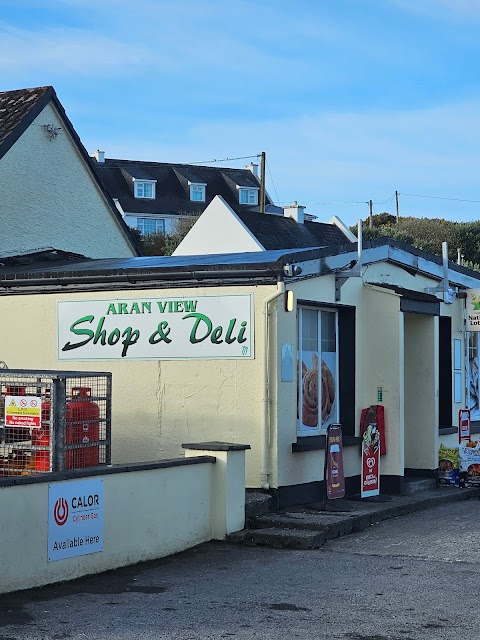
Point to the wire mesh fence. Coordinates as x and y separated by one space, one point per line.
53 420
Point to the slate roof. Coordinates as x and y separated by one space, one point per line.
172 191
172 270
275 232
42 258
20 107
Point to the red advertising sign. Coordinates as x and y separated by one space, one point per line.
370 461
334 452
464 431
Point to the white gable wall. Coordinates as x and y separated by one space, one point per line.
49 198
218 230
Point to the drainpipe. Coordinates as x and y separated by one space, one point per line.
265 459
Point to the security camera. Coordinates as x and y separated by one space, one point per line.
292 270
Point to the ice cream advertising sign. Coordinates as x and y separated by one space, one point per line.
473 310
200 327
370 462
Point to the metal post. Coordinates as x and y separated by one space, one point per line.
359 246
370 218
445 266
396 204
108 421
262 182
59 412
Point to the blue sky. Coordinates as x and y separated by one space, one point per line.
351 99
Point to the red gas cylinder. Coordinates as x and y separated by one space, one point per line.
83 426
41 438
15 391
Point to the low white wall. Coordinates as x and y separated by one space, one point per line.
148 514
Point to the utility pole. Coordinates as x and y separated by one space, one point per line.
262 182
396 203
370 219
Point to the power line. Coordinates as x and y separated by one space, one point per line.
417 195
257 155
271 178
384 201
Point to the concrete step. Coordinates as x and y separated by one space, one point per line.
330 524
279 538
258 503
307 527
414 485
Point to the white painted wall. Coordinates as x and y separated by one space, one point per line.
421 390
157 405
232 235
49 198
148 514
381 339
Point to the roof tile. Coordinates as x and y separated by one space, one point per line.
15 105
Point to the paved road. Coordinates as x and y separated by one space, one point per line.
412 578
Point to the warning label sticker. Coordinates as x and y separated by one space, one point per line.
23 411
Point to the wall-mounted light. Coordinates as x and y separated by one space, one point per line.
52 131
289 300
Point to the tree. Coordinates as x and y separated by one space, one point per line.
429 234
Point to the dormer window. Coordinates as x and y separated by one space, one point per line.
197 191
144 189
247 196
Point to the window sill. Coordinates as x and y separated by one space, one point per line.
445 431
316 443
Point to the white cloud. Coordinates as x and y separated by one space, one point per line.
64 50
442 9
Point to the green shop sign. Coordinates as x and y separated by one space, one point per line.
204 327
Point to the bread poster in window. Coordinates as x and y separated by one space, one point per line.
318 385
329 399
310 384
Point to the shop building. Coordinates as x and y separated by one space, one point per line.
263 348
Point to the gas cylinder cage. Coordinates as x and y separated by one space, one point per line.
54 420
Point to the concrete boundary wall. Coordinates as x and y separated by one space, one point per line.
151 511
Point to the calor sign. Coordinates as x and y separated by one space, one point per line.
75 518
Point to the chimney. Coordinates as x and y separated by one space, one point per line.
295 211
253 168
99 156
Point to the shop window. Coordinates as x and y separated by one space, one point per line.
473 377
318 368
